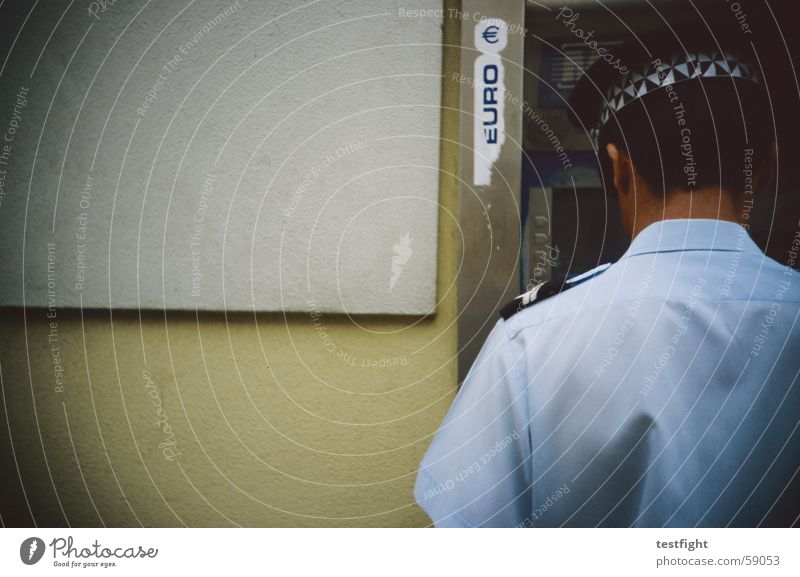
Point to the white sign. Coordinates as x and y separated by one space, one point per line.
491 37
259 156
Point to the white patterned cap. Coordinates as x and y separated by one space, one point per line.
654 63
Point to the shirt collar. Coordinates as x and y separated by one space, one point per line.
691 234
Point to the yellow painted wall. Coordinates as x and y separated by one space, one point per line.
272 429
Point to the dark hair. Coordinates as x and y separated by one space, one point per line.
692 135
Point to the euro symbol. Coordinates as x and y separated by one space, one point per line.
490 34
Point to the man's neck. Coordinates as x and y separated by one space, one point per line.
707 202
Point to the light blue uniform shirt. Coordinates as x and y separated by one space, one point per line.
662 392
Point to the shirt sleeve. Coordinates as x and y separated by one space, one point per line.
477 469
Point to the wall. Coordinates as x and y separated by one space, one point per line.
262 423
489 210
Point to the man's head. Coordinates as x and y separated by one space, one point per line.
685 133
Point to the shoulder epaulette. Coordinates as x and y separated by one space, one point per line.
547 289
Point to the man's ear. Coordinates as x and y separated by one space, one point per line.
622 168
766 169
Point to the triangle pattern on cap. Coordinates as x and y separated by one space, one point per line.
637 83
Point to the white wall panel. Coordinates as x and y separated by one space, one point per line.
214 155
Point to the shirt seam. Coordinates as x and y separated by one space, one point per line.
514 332
526 386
